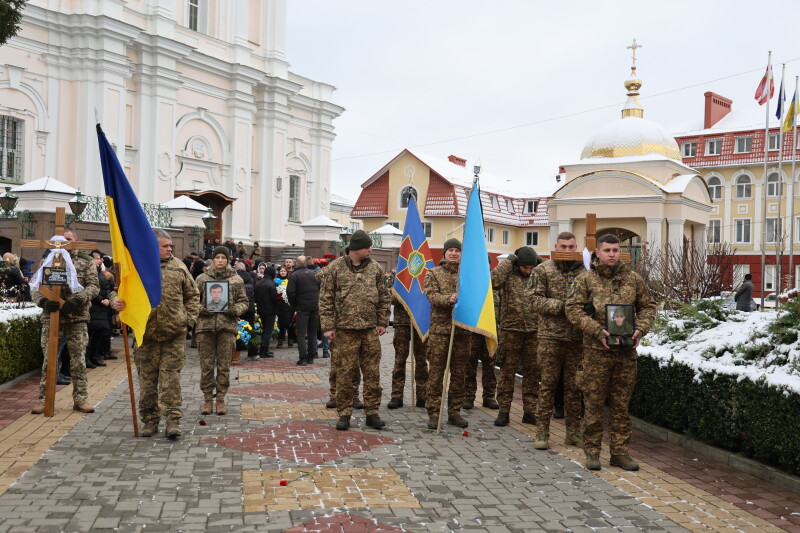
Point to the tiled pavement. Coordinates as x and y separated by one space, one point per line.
274 463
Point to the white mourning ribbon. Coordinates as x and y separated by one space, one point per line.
72 274
587 259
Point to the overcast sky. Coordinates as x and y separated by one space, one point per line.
522 84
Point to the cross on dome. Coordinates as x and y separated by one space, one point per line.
633 48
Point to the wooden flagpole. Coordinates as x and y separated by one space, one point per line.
128 362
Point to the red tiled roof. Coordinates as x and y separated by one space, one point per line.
728 156
373 202
441 200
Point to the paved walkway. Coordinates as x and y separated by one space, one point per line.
275 463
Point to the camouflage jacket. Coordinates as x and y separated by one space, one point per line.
353 298
237 301
401 317
87 276
586 307
515 293
440 284
551 288
179 305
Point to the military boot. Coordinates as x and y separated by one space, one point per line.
344 423
331 404
491 403
593 461
468 404
208 407
375 422
39 409
150 428
541 442
83 407
502 419
357 404
573 438
173 428
221 408
421 402
433 422
457 420
529 418
624 461
395 403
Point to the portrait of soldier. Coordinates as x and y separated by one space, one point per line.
215 301
619 324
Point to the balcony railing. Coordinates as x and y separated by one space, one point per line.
97 211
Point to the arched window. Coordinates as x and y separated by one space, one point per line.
743 187
774 185
715 187
406 193
10 149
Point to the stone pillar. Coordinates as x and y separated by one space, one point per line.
675 233
654 233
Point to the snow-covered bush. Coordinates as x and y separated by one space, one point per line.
20 350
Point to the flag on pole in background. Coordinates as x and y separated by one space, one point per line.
766 89
413 263
791 114
781 101
133 244
474 309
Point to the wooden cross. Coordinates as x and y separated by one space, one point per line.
590 241
53 292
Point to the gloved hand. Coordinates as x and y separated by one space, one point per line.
71 305
51 306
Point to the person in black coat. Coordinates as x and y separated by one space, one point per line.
99 324
267 304
285 311
303 293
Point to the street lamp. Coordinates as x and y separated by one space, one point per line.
209 220
345 236
77 204
8 202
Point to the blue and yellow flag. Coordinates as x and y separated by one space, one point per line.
133 244
474 309
413 263
791 114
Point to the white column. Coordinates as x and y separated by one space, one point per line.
675 233
553 234
654 236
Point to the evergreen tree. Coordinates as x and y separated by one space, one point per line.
10 16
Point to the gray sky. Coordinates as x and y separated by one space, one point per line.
543 76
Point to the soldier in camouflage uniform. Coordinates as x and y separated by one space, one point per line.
74 323
560 344
609 374
401 343
354 310
479 352
216 332
160 358
441 288
512 278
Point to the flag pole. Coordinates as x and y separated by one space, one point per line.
792 282
446 378
125 343
764 192
779 235
413 369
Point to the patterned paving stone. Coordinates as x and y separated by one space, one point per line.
281 392
276 365
325 488
302 442
287 411
277 377
343 523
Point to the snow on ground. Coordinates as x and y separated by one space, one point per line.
11 311
718 350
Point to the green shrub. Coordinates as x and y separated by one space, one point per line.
20 351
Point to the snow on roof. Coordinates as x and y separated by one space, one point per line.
45 184
630 135
184 202
321 220
388 229
678 184
742 118
336 199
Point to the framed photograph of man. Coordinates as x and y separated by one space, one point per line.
216 296
620 323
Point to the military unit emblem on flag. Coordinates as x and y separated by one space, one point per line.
413 263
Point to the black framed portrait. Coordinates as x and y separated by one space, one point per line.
620 324
216 296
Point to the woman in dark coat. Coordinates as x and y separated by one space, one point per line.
267 306
99 325
285 311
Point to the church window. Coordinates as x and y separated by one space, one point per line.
405 193
196 15
715 188
10 149
742 231
743 144
689 148
743 187
294 198
774 185
713 146
531 238
714 231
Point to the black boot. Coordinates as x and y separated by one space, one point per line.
375 422
395 403
501 420
344 423
90 364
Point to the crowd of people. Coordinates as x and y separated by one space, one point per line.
553 322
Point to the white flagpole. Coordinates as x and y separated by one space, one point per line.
792 281
779 222
764 191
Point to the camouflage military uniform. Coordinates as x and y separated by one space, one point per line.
440 284
479 352
216 332
402 342
560 343
354 302
160 358
74 326
608 373
517 337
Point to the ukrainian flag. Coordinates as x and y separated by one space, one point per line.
133 244
474 309
791 114
413 263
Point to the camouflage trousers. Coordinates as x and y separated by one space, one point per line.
479 352
332 372
512 347
611 375
216 351
402 343
554 357
357 349
438 345
159 365
77 339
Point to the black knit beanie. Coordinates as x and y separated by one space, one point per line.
451 243
527 256
221 250
360 240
